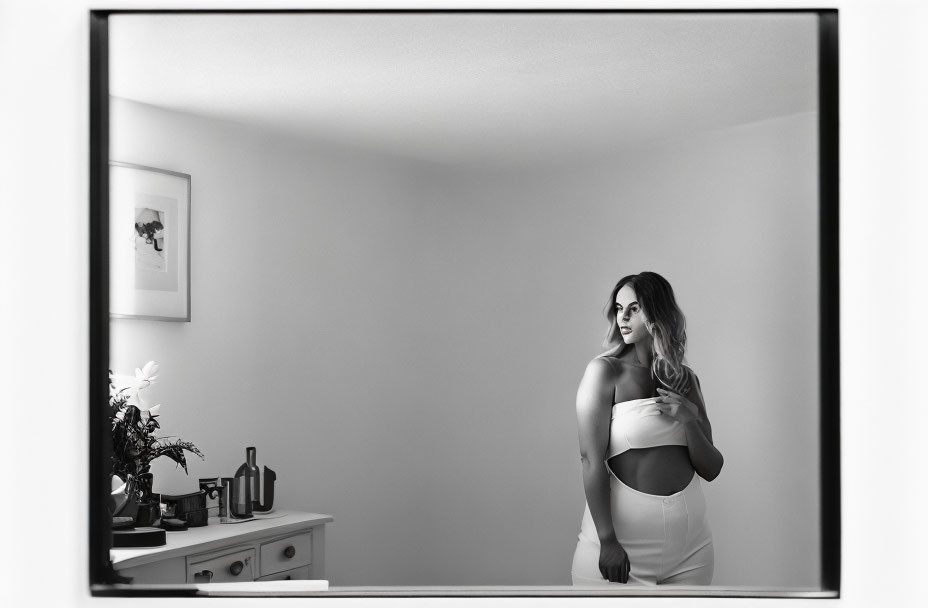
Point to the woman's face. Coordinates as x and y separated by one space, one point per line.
632 323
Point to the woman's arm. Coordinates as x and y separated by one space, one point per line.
594 413
691 412
695 395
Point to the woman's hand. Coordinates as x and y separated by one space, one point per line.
613 562
676 406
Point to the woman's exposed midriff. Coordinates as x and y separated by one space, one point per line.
662 470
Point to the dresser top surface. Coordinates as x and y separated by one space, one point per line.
215 536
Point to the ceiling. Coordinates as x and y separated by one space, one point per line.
499 88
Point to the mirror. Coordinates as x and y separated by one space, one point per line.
404 228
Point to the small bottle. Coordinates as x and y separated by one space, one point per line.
241 493
225 499
250 461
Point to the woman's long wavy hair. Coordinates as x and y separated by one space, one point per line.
666 323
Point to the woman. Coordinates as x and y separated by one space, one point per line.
645 441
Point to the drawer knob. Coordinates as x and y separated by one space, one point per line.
203 576
236 568
290 551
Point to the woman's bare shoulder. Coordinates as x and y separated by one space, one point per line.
597 386
601 368
610 371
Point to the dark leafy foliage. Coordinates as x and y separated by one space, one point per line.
135 444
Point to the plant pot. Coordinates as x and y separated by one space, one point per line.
125 503
148 508
146 483
148 513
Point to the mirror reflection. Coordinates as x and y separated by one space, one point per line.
383 249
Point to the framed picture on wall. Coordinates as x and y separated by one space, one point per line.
149 243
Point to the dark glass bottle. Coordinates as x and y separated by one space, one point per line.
255 477
241 493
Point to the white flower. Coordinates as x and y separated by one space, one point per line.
147 373
128 387
132 387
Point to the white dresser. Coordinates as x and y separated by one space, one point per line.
283 545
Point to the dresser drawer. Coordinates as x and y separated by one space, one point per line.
227 566
286 553
303 573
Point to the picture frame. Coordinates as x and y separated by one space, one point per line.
150 264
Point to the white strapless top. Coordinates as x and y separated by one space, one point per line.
639 424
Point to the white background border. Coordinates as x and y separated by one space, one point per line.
44 109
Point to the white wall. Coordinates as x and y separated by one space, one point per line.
402 342
730 219
43 183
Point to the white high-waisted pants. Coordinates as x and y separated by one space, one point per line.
667 538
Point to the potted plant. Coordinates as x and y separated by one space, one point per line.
136 446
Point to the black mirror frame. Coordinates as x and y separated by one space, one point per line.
101 574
